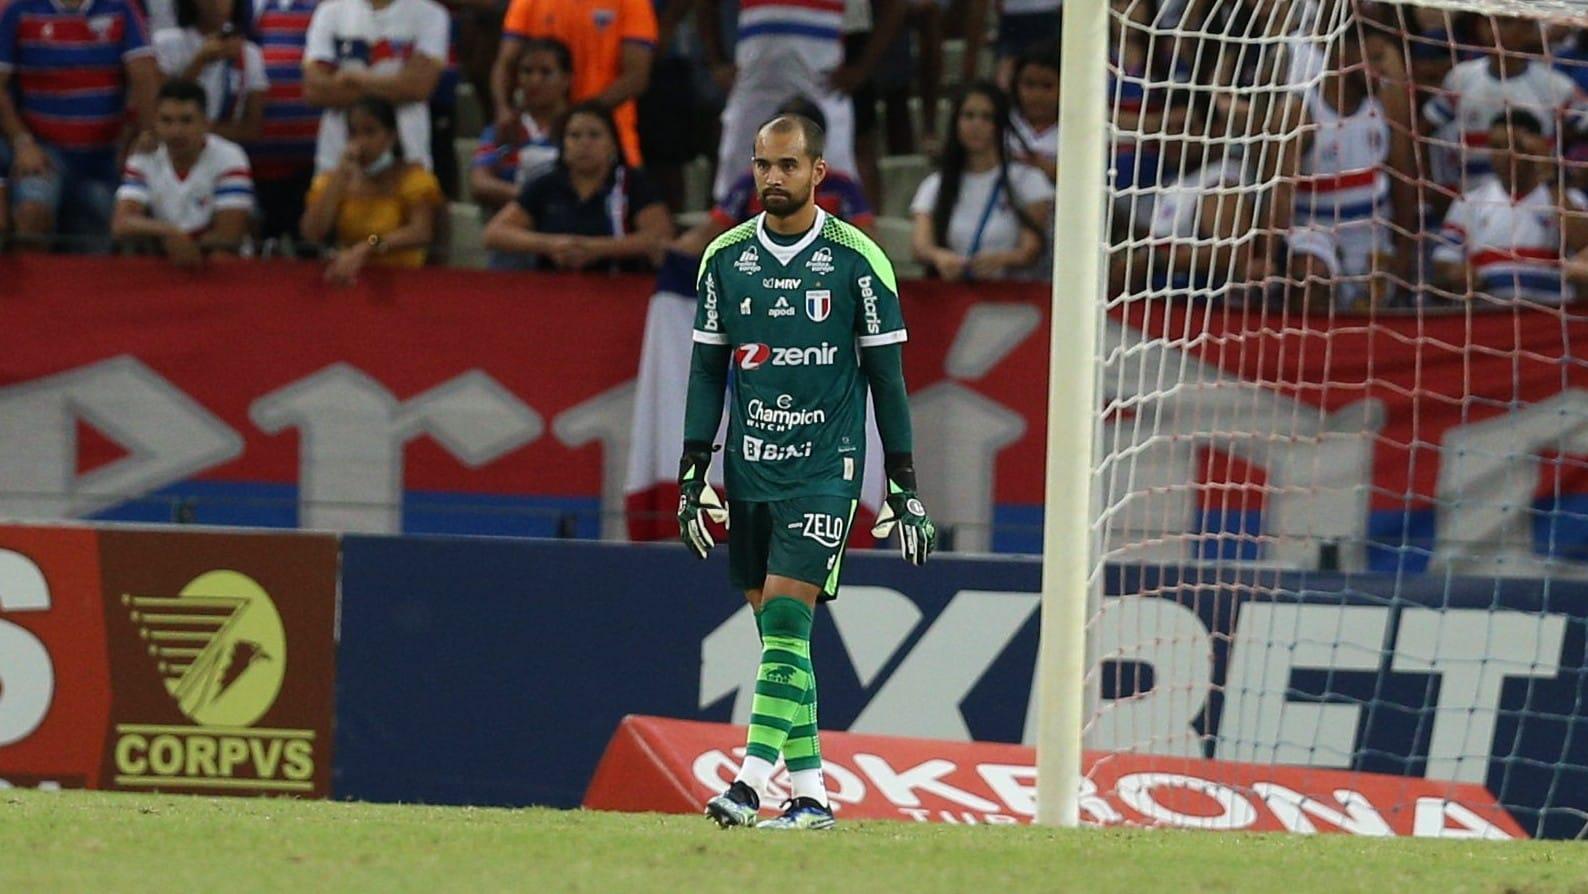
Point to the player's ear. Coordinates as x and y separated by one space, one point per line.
818 171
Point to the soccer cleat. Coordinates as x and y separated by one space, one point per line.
803 813
737 806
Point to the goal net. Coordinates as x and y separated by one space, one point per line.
1339 524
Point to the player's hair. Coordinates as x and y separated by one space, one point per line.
800 104
1042 54
952 170
598 110
183 91
1518 119
552 45
815 136
385 114
241 19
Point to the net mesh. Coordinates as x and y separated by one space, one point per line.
1342 471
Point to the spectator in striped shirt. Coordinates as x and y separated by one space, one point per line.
69 71
192 195
283 155
502 166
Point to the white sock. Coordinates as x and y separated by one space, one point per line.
809 784
755 772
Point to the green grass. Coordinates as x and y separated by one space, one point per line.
81 841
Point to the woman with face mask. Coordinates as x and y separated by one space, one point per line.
589 211
376 207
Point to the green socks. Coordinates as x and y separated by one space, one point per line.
785 686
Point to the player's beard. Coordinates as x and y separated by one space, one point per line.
787 204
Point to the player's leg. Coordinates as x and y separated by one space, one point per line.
807 556
749 538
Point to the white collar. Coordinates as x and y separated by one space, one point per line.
786 253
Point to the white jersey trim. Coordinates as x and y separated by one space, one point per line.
897 336
709 338
786 253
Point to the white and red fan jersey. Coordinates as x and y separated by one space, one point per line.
1513 244
220 180
1342 173
1472 95
809 29
353 34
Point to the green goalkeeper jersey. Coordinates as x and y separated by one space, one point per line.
796 317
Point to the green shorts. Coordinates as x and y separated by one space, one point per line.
801 538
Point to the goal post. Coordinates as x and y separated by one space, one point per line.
1067 543
1316 494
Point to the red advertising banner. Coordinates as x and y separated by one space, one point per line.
477 402
167 660
54 673
673 766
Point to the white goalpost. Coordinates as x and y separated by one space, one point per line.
1067 547
1315 545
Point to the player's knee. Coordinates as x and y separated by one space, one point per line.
785 616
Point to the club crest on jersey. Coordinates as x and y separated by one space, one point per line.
818 304
749 261
101 25
821 261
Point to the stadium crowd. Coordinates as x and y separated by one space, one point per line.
1417 157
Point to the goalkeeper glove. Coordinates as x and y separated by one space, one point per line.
903 509
696 500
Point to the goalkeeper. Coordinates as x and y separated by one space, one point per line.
804 308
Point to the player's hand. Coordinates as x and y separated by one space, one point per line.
30 160
846 78
950 265
182 250
903 510
697 502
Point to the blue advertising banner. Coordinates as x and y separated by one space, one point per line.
488 671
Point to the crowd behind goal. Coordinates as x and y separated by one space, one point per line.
1339 155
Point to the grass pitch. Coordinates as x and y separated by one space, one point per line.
81 841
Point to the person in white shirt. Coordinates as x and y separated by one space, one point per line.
209 49
1505 238
1355 133
784 48
1034 118
1515 75
981 216
194 195
391 49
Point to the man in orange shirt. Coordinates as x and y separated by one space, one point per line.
612 43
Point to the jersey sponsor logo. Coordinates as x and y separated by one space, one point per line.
818 304
828 530
783 417
821 261
744 306
868 300
780 282
752 355
749 261
782 308
711 324
757 450
755 354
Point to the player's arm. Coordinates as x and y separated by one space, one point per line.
320 85
414 82
708 382
880 332
132 220
634 74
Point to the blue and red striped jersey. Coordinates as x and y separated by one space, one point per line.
68 67
286 145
